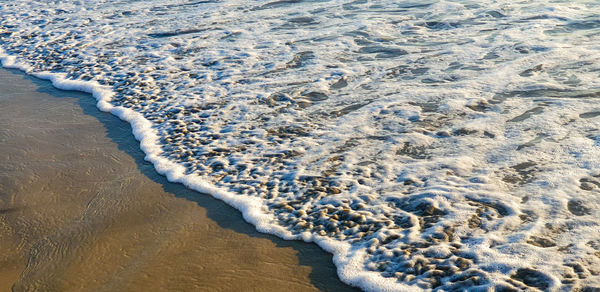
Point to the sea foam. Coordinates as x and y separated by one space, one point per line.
347 259
434 145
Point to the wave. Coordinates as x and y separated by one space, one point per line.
439 145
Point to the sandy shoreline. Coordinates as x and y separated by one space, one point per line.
81 210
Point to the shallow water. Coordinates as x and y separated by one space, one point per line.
451 144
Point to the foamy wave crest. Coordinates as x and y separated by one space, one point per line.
427 145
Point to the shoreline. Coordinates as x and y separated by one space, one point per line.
166 234
348 260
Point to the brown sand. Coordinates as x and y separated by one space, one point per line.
80 210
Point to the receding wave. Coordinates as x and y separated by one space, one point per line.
429 145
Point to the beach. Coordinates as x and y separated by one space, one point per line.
80 210
428 145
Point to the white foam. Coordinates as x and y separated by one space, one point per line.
474 118
348 262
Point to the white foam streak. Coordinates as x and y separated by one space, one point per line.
348 262
445 144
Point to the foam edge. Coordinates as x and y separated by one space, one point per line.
348 259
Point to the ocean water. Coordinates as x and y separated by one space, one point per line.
428 144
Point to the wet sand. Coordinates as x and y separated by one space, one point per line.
80 210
